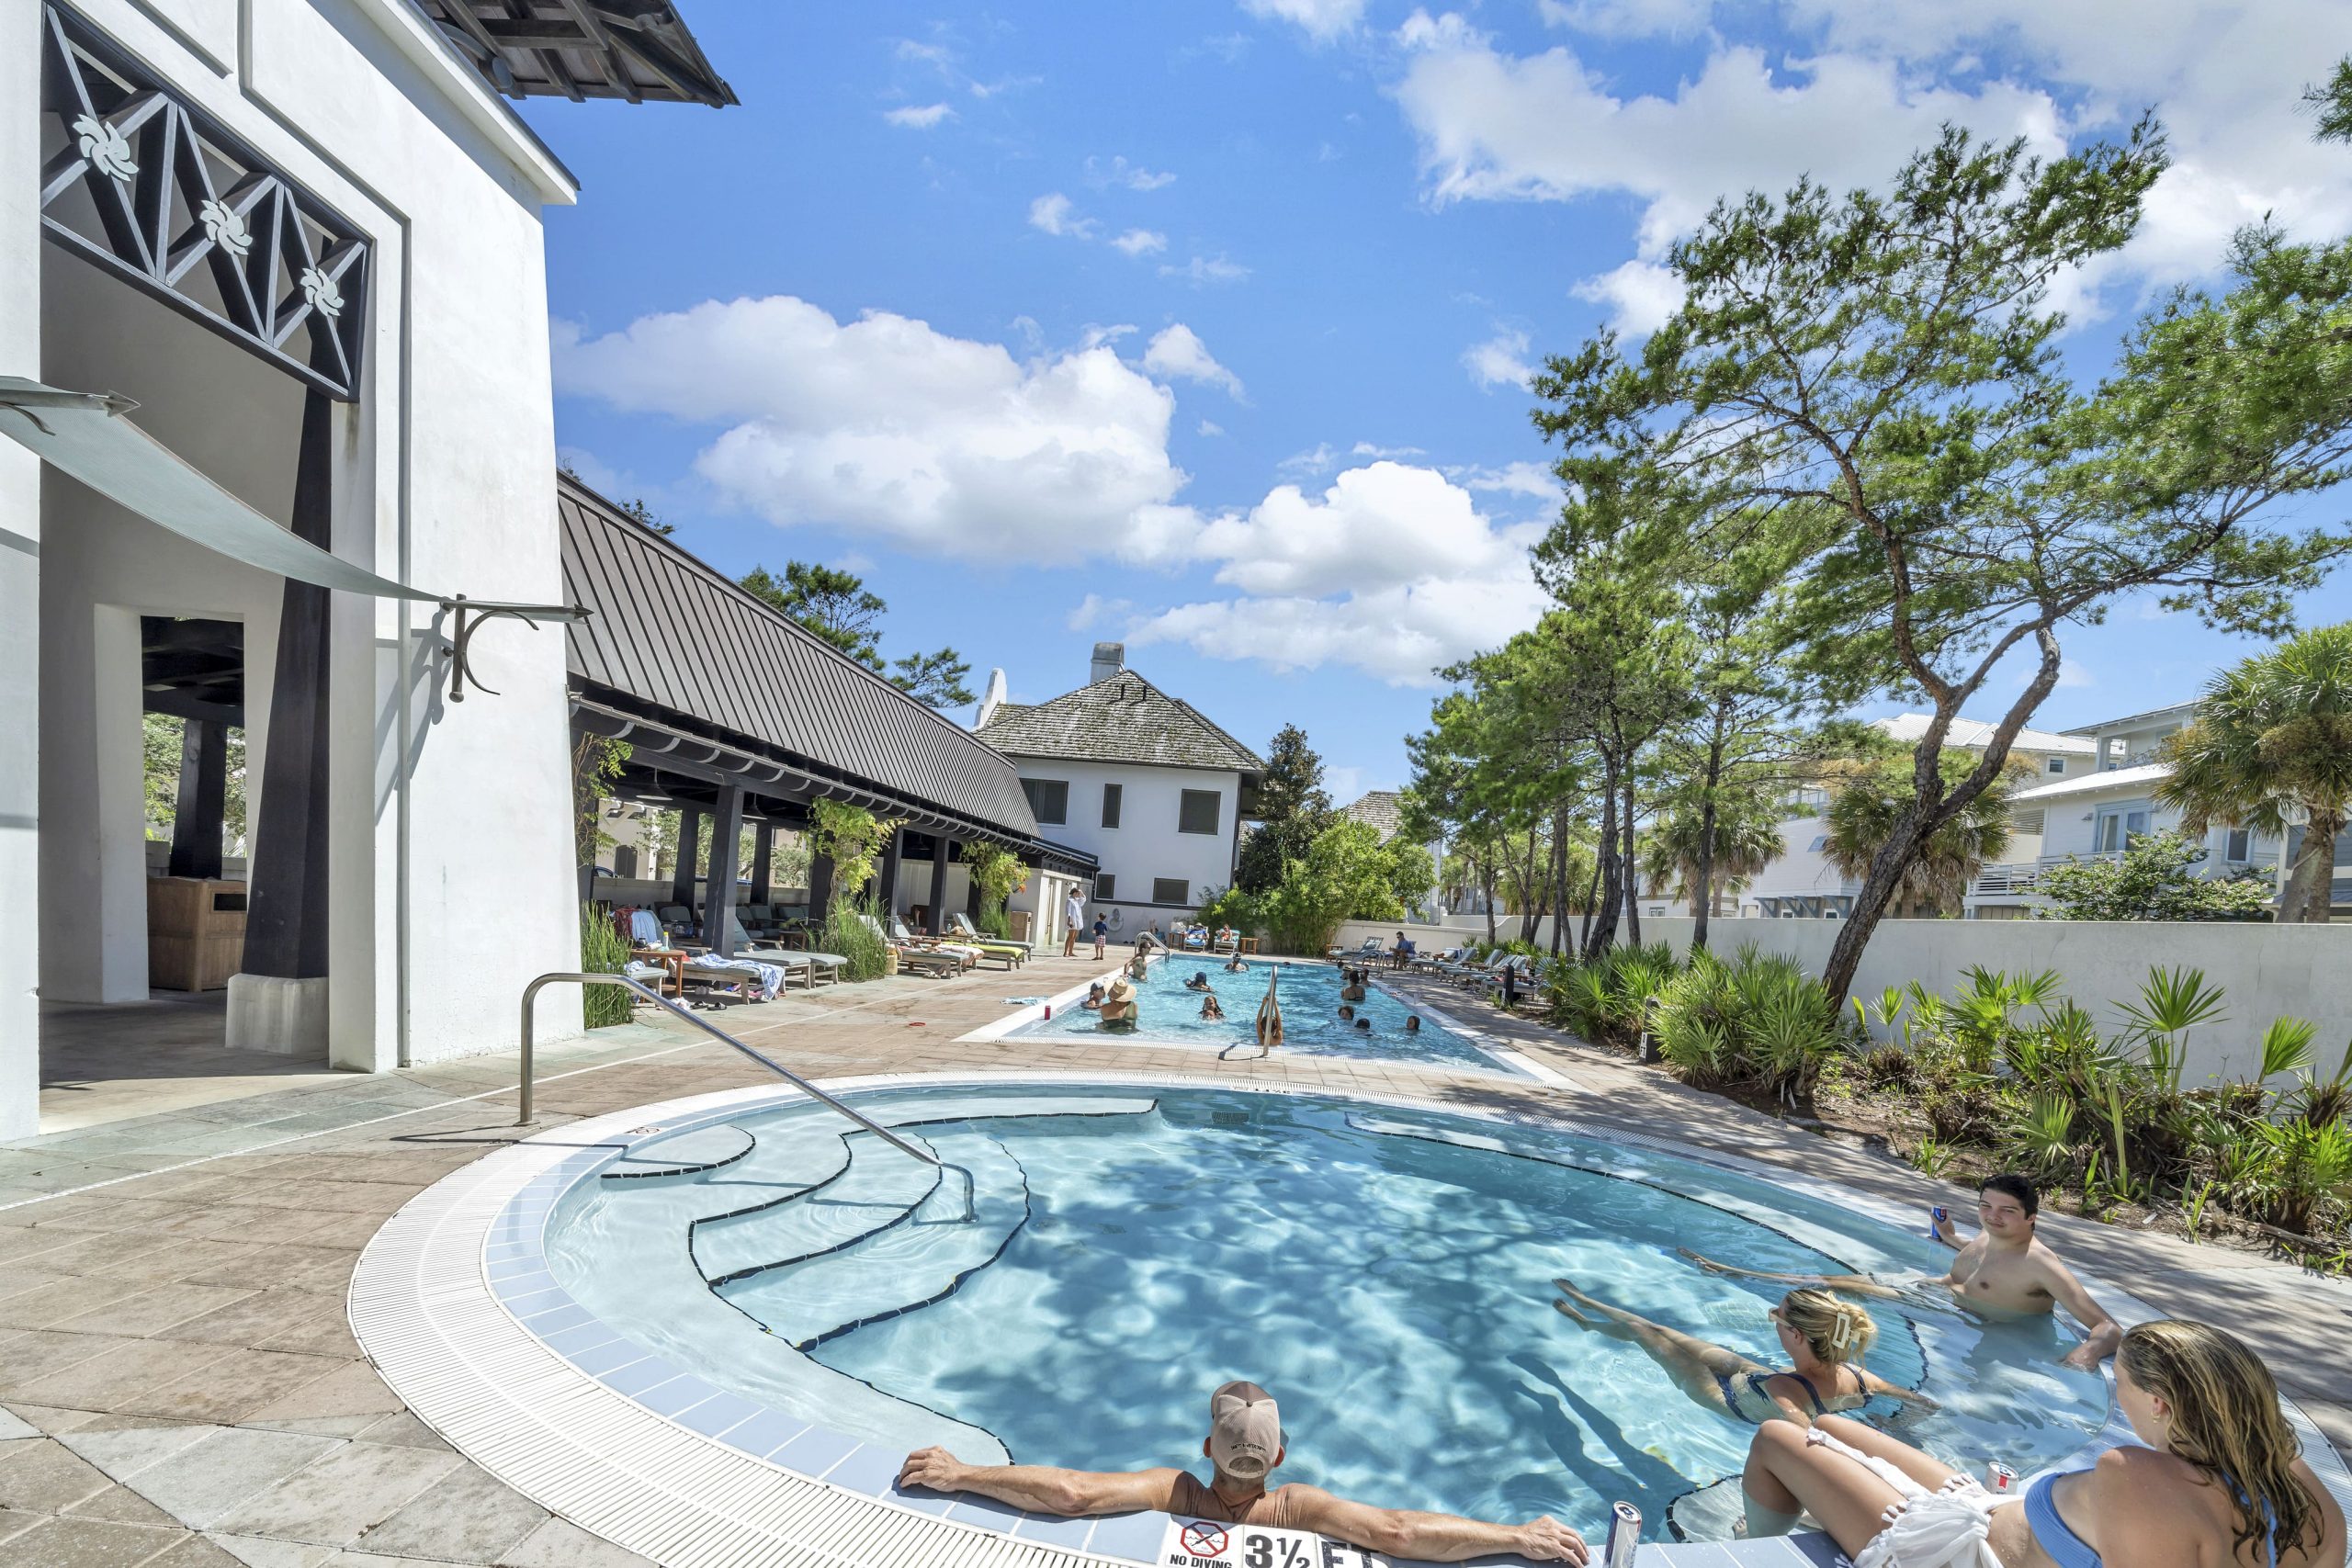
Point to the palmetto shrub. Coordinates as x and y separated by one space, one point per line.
1757 1020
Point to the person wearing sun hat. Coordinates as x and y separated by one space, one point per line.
1119 1004
1244 1446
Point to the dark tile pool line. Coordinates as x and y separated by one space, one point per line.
515 1263
516 1267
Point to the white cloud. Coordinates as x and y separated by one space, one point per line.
1210 427
1392 570
1119 172
921 118
1345 784
1094 609
1500 361
1177 352
1641 296
1535 479
1867 80
1321 19
1207 269
1368 449
886 426
1054 214
1321 458
1140 242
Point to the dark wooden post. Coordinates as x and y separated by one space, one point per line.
887 878
203 799
821 886
718 889
682 876
286 910
762 861
972 898
940 845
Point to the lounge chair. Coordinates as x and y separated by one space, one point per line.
973 952
959 926
791 960
923 958
1371 949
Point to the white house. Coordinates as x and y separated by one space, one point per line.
274 382
1803 884
2096 815
1143 781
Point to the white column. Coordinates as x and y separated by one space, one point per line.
20 259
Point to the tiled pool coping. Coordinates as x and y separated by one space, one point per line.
454 1300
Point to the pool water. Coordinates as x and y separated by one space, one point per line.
1311 1022
1386 1273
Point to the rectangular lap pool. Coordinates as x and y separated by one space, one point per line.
1170 1014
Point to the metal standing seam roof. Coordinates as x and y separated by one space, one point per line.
1120 719
672 633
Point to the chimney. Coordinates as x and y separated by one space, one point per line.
991 700
1110 658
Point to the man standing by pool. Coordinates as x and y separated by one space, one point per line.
1245 1444
1073 916
2003 1272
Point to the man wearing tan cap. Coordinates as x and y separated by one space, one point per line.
1245 1444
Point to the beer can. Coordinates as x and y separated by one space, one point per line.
1624 1536
1935 1218
1999 1479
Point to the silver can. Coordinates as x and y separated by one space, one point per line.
1624 1536
1999 1479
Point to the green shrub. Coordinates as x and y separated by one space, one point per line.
602 951
854 939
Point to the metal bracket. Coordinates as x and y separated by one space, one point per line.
461 638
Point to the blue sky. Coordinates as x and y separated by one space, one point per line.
1200 324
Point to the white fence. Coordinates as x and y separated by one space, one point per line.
2265 971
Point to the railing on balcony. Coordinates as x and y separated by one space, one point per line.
2016 879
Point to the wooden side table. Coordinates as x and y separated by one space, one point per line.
1249 943
673 966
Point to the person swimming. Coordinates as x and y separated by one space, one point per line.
2220 1480
1346 1012
1093 1003
1824 1339
1119 1005
1353 990
1235 966
1198 982
1412 1023
1364 1024
1211 1008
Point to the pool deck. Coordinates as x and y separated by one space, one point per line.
179 1386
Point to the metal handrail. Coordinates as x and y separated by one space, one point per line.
530 995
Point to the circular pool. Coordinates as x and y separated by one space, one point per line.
1088 1259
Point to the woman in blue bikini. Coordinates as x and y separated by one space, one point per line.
1824 1339
2220 1483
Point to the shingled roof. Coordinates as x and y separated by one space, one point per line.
1382 810
1120 718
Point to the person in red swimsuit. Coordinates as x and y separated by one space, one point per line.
1244 1446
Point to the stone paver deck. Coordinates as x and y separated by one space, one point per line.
179 1387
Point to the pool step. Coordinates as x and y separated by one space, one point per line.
902 1268
881 1188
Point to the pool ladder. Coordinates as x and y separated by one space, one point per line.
530 1000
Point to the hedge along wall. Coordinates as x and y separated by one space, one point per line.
2266 970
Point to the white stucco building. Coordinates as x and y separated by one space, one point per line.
1802 884
297 244
1143 781
2096 814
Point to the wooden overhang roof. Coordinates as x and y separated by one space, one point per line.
637 49
707 680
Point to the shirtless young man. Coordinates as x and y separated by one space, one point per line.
1245 1444
2003 1272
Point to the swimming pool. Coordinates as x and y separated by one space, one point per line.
803 1292
1169 1013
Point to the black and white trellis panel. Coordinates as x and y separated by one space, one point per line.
156 192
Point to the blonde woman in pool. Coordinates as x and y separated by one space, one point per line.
1824 1339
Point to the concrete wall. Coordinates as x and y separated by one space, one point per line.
2265 971
20 545
449 840
1145 845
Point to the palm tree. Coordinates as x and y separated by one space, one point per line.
1747 838
2273 741
1861 818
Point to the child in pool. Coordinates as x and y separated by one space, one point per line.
1211 1008
1093 1003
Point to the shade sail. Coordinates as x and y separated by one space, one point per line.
84 435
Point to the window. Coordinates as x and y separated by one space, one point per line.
1106 884
1048 799
2237 846
1171 889
2057 764
1197 813
2025 822
2118 825
1111 794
